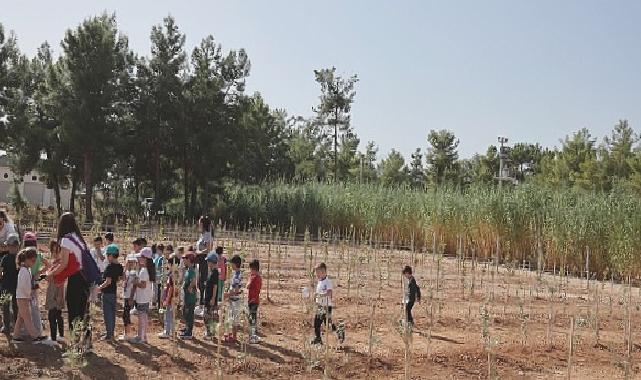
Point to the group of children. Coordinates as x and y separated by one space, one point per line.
191 280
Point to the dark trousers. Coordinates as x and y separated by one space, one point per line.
10 313
202 284
323 315
109 312
253 317
408 312
188 314
126 311
56 323
77 296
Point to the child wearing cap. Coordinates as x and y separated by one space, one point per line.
167 302
112 274
144 292
128 292
189 289
211 294
55 299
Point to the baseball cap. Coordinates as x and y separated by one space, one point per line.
212 257
145 252
13 239
30 236
112 249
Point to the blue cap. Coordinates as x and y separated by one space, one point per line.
212 257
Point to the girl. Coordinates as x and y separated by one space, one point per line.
127 294
144 292
31 240
189 295
55 299
26 259
72 244
203 246
166 300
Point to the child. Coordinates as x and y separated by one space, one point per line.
26 259
113 273
9 275
99 258
166 300
203 246
412 294
189 289
109 238
253 298
161 264
211 293
55 299
324 305
128 294
233 296
222 272
144 292
31 240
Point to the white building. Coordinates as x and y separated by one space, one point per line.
32 188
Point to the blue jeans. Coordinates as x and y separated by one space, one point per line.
109 311
169 320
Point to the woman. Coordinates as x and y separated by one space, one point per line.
71 245
204 245
6 228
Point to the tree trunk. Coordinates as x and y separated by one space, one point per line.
56 191
193 196
88 187
186 190
74 188
156 204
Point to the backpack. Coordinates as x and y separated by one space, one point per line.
89 271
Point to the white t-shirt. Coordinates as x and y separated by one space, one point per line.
24 283
144 295
102 264
72 247
321 292
203 243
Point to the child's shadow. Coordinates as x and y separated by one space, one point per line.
144 356
100 368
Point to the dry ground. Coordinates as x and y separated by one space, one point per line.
447 342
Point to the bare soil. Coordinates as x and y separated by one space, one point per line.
447 341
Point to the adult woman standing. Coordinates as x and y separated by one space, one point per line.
72 243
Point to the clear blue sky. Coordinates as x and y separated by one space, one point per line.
532 70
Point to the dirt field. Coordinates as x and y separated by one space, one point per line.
447 343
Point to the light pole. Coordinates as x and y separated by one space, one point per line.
502 140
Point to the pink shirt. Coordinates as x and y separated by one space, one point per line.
222 268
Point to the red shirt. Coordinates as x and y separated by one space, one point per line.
254 285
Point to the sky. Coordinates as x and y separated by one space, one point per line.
534 71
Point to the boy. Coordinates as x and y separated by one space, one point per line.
253 298
222 272
233 295
211 294
412 294
113 272
9 275
109 238
324 305
99 258
189 289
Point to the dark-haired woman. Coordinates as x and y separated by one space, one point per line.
71 245
203 246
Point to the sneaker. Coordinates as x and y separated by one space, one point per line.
134 311
317 341
163 335
60 339
185 337
135 340
17 339
122 338
107 337
254 339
